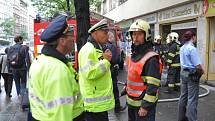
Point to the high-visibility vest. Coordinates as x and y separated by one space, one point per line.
135 84
95 79
54 93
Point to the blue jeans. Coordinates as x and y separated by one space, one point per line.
188 98
20 78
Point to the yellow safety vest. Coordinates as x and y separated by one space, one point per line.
95 79
53 91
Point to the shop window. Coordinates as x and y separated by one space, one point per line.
104 7
112 4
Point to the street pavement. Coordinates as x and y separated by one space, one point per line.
166 111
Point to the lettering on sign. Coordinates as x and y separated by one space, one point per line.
189 10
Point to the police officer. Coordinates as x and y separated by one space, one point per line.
144 74
95 75
173 63
190 75
53 87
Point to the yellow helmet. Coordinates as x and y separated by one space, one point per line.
158 37
141 25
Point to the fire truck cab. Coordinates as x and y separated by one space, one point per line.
39 27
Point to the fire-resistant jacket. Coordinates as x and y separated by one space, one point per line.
95 78
173 58
53 91
144 80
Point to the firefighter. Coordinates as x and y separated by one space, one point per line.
95 75
173 63
53 87
157 44
159 48
144 74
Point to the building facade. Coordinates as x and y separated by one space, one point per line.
167 16
6 6
19 11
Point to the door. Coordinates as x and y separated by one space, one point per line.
211 59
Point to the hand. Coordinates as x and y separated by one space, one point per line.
142 112
107 55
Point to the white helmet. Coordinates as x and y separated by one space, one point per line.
158 37
168 39
141 25
174 36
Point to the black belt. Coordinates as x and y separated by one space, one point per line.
186 69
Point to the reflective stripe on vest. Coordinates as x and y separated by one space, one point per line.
135 103
56 102
150 98
151 80
171 54
135 83
86 66
97 99
91 63
175 65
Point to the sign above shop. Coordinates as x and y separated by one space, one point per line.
151 18
209 7
184 26
188 10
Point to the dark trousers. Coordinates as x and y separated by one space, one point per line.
80 117
100 116
20 78
173 76
8 82
134 116
115 91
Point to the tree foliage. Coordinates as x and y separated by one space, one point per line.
8 26
24 34
49 7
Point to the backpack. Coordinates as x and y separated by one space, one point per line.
14 57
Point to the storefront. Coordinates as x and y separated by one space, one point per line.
209 10
186 17
179 19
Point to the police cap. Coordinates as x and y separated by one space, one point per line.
55 29
100 25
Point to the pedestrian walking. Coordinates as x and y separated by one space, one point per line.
53 87
19 62
144 74
190 75
6 74
95 75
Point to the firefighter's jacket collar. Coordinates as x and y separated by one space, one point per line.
50 51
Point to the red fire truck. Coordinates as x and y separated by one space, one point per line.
39 27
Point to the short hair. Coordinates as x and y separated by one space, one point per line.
188 35
18 39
